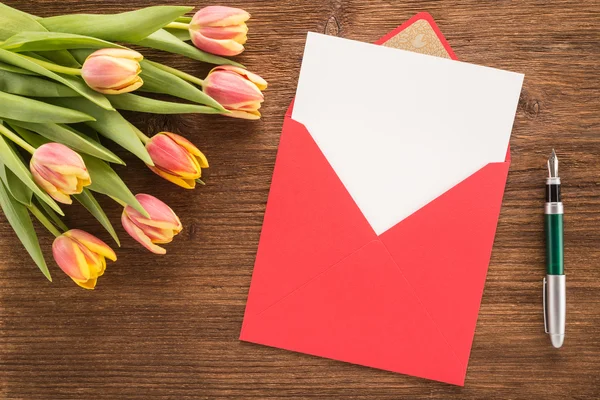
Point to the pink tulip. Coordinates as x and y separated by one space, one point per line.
82 256
176 159
220 30
160 228
59 171
236 89
113 71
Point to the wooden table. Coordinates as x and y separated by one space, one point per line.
167 327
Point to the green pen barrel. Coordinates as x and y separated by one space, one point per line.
554 244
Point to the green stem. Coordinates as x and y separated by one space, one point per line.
145 139
183 75
54 67
16 139
178 25
44 220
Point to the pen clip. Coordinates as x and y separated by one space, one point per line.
545 288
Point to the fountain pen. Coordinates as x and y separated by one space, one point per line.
554 284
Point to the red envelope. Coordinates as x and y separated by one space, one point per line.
326 284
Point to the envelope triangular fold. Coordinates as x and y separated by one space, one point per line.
362 310
311 222
455 234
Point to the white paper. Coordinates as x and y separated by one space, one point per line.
401 128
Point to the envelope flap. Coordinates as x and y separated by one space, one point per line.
311 221
363 311
444 251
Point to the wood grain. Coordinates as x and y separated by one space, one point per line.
167 327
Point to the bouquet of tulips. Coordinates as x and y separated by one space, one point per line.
63 80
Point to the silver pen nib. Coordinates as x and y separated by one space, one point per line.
553 165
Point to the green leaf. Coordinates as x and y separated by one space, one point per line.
18 217
26 109
50 41
157 80
132 102
74 83
131 26
14 21
13 162
17 189
109 124
180 34
163 40
32 86
52 215
30 137
15 186
69 137
60 57
86 198
185 19
106 181
12 68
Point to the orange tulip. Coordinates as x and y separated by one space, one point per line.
59 171
236 89
220 30
160 228
176 159
113 71
82 256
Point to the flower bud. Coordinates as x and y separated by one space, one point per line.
113 71
236 89
176 159
82 256
220 30
59 171
160 228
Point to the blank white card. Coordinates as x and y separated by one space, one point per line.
401 128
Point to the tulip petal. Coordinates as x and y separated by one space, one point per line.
61 197
70 258
109 73
131 88
92 243
169 156
86 284
59 155
156 235
118 53
184 183
183 142
229 88
94 261
252 77
59 171
190 147
102 266
219 16
137 234
160 213
223 47
243 114
233 32
52 190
